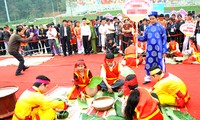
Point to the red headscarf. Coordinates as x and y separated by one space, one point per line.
109 57
130 80
80 62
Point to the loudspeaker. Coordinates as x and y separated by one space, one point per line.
99 17
193 12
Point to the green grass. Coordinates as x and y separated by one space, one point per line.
92 16
186 8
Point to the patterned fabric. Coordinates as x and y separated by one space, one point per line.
155 35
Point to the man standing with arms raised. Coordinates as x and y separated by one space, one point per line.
13 48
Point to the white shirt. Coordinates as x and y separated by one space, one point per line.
52 33
85 30
112 27
65 31
103 29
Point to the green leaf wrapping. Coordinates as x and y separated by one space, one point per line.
166 117
171 114
120 94
118 108
114 117
62 115
96 80
88 117
82 104
183 116
105 93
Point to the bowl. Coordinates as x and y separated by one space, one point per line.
103 103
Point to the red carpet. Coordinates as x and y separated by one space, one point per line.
60 71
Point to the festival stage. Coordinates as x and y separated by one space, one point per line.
60 70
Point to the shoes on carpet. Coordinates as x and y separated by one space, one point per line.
17 74
26 67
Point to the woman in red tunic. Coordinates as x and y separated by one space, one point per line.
82 78
140 104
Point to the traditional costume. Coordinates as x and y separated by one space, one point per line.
111 74
79 41
73 40
155 35
130 56
170 89
33 105
148 106
173 48
193 52
80 82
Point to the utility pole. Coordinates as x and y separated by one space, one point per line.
7 13
52 7
54 19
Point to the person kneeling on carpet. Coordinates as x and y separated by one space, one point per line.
110 72
82 78
140 104
111 46
33 104
173 49
131 58
170 89
193 52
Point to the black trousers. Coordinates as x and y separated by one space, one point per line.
2 46
65 40
125 42
86 44
20 58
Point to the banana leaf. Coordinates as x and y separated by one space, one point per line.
114 117
96 80
183 116
118 108
175 114
120 94
88 117
126 71
62 115
164 110
82 104
105 93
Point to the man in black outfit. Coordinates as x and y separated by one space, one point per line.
65 35
13 48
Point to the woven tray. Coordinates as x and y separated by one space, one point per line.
103 103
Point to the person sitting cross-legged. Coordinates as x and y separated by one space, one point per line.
110 72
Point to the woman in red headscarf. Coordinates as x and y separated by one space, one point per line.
140 104
82 78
